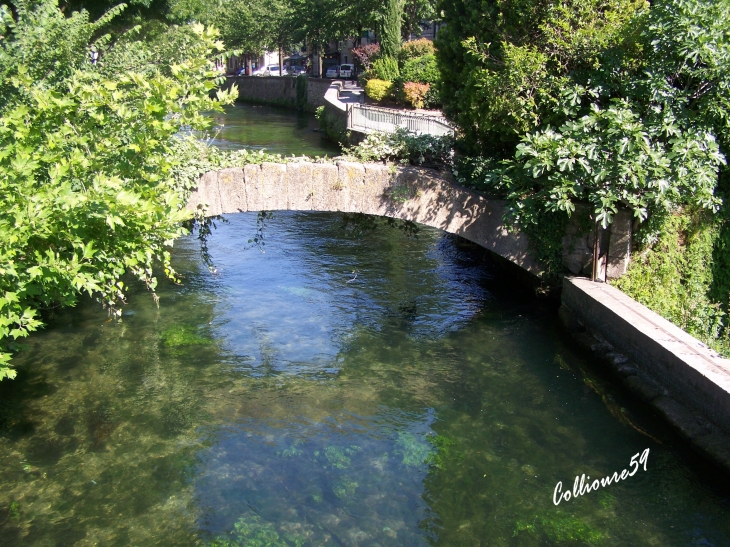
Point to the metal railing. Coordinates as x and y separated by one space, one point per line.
367 119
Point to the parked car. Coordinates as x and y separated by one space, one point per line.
296 70
347 71
274 70
332 71
262 71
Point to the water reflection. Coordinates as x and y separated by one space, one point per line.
277 130
428 402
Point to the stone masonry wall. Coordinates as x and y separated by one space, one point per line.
280 90
408 193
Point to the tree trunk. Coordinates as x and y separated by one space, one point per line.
281 61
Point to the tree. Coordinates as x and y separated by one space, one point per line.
86 159
503 67
415 11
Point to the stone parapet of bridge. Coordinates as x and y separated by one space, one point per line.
415 194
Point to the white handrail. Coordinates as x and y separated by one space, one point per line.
367 119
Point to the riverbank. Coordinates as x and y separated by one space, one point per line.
686 382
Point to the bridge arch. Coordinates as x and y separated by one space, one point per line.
407 193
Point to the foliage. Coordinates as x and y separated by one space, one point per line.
415 93
416 48
253 531
504 67
402 145
378 89
386 68
414 13
366 55
391 19
611 157
614 107
558 527
302 92
672 276
332 124
86 174
422 70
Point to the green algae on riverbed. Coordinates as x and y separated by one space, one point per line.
274 401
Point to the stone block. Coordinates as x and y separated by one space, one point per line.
325 187
377 179
351 184
274 186
299 186
206 195
232 190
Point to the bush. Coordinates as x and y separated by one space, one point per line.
366 55
405 146
674 276
503 69
377 89
423 70
414 93
386 68
415 49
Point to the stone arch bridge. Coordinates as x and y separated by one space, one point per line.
419 195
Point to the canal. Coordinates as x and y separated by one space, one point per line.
332 387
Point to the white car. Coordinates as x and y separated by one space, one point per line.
346 71
261 71
333 72
274 70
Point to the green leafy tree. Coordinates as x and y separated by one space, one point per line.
504 66
389 28
86 162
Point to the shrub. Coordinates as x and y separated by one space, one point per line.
403 145
87 192
415 49
366 55
386 68
503 69
377 89
414 93
422 70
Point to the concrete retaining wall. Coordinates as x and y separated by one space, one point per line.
687 383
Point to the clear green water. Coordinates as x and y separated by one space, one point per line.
427 402
277 130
